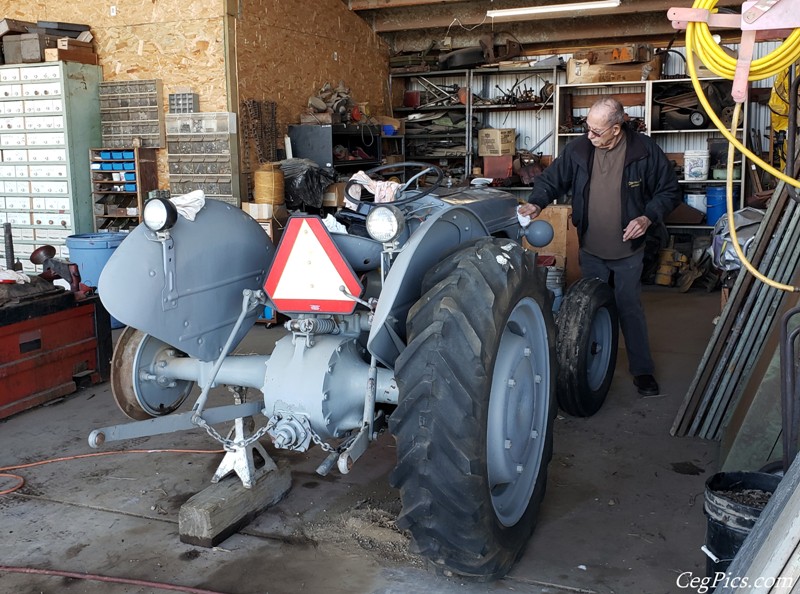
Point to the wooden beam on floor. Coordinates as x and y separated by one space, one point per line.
223 508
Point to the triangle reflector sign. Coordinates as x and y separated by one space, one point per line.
309 272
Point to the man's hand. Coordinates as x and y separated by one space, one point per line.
529 210
636 228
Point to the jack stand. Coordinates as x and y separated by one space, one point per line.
241 461
224 507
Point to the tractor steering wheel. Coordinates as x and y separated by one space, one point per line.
400 197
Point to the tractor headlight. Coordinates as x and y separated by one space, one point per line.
385 223
159 214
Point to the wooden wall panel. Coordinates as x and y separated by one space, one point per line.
288 50
181 43
264 49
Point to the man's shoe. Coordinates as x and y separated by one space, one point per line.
646 384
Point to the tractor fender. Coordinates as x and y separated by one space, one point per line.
439 235
191 295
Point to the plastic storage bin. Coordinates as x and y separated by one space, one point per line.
91 252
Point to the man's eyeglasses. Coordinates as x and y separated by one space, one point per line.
599 133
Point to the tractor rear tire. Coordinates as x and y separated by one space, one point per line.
474 422
588 336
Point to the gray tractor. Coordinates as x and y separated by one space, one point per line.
427 314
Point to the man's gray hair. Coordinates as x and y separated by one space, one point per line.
615 113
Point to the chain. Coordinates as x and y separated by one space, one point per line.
229 445
323 445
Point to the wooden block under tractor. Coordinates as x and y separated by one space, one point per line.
220 510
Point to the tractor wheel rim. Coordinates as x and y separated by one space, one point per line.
519 404
598 349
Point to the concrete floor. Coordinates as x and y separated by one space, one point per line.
620 515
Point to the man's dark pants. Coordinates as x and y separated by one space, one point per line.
627 291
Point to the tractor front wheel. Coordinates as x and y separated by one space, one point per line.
474 423
588 335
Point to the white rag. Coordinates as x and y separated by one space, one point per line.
17 277
334 226
383 191
189 204
524 220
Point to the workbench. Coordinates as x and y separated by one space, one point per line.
51 343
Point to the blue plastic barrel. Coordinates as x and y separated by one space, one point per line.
91 252
716 204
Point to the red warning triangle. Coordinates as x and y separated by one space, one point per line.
308 271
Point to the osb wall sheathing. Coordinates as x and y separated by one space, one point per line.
181 43
286 51
278 50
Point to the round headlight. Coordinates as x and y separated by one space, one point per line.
159 214
385 223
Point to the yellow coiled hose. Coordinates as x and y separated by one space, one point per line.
700 41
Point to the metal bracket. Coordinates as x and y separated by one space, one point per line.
171 423
169 294
353 452
241 461
774 23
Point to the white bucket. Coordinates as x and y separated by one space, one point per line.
695 165
696 201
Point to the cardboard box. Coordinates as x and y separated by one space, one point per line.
564 245
334 195
496 142
581 71
84 56
274 227
258 211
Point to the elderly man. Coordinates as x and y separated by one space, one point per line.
621 183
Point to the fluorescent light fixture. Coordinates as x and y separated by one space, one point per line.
551 8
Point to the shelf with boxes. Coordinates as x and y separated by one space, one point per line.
437 110
203 155
121 178
513 107
48 120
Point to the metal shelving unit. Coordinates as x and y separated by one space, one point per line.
121 179
437 91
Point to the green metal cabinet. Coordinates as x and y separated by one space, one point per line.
49 119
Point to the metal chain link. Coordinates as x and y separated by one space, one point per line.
318 440
229 445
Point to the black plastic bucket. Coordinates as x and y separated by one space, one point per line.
730 520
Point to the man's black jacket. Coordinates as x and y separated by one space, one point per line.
649 184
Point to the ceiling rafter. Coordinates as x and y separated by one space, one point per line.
466 19
358 5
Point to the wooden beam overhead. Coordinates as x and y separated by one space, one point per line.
390 16
358 5
413 25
